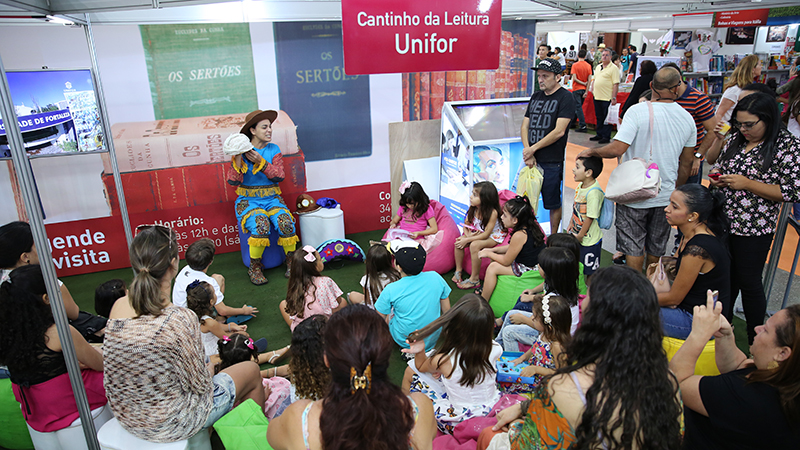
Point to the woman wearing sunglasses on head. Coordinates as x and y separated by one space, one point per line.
758 169
155 378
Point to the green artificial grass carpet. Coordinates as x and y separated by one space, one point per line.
268 323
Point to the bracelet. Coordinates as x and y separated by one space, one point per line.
229 327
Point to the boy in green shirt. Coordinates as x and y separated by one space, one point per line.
586 210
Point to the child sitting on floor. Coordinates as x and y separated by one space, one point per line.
309 292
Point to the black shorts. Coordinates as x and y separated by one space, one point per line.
551 186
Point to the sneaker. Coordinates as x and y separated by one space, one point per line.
256 275
595 138
582 129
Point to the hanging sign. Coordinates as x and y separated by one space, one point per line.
742 18
399 36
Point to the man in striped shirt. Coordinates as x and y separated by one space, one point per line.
702 110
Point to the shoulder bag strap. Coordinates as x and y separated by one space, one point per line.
651 114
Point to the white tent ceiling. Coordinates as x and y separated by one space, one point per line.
559 15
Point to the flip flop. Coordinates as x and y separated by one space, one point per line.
278 356
456 277
468 284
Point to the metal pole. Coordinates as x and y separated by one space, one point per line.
777 246
109 138
34 208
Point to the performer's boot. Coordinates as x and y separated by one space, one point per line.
256 275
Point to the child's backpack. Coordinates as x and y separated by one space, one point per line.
606 218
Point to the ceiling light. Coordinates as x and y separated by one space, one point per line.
647 29
54 19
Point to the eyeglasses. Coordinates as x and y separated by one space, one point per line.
167 231
745 125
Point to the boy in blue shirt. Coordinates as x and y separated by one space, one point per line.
416 299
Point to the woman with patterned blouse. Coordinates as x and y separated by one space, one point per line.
758 170
155 377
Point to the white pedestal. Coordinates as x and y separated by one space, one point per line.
321 225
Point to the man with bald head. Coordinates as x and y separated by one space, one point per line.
665 130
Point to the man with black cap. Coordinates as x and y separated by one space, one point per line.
416 299
544 134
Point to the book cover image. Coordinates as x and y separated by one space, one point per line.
199 69
424 93
331 109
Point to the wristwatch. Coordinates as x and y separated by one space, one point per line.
698 155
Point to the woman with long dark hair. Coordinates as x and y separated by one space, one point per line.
155 378
754 403
362 409
758 170
615 390
31 348
703 261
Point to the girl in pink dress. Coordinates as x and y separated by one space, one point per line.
309 292
416 216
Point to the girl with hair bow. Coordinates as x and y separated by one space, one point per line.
309 292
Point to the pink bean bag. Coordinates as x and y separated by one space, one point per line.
505 195
441 258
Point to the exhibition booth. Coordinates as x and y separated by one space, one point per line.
122 111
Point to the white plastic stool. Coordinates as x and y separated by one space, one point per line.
71 437
321 225
113 437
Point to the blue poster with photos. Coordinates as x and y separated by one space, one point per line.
331 109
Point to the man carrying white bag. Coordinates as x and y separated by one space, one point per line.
655 146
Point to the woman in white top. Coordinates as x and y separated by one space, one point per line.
748 70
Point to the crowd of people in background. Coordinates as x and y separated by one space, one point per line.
174 361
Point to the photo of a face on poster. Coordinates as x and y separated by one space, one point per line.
491 164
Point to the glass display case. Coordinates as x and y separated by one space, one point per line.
480 141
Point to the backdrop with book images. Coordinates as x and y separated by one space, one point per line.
480 141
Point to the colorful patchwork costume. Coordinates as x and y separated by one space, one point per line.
260 203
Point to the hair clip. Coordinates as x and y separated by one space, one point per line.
361 382
403 186
193 285
546 309
225 340
309 253
249 343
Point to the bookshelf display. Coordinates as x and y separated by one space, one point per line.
721 67
480 142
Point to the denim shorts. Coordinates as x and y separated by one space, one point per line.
224 398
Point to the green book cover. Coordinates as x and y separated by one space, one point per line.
199 69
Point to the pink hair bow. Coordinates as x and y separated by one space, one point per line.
226 339
404 185
249 343
309 253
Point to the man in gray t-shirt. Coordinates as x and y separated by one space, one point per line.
642 226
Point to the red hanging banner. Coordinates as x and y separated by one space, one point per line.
743 18
400 36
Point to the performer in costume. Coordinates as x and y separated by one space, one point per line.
259 202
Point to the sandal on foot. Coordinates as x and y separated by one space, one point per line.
468 284
456 277
278 356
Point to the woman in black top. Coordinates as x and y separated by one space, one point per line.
703 260
646 71
754 403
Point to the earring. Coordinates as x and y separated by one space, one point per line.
690 220
772 365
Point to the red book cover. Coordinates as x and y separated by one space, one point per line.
472 84
437 93
406 99
415 89
489 89
203 184
425 95
461 85
450 86
481 85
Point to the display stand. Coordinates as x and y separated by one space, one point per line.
480 141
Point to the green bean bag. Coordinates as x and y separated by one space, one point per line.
14 435
509 288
